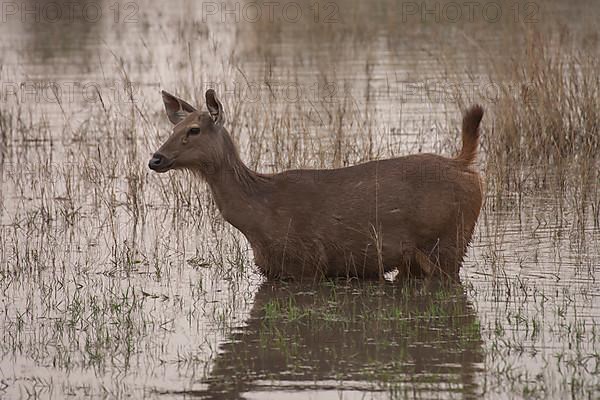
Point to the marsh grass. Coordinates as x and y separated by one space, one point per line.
112 277
545 135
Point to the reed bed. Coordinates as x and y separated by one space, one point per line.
113 278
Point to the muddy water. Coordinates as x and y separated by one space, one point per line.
117 282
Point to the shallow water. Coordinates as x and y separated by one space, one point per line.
118 282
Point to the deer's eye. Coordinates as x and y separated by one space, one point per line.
194 131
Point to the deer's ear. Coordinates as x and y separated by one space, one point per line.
215 108
176 108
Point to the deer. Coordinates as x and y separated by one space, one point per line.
413 214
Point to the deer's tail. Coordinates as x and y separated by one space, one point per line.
470 134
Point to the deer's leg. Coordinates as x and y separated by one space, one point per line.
425 263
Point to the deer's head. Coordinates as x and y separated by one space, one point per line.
198 140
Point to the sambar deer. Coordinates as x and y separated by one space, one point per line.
414 213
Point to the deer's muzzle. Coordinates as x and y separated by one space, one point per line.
159 163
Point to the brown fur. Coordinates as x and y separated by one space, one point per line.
470 134
415 213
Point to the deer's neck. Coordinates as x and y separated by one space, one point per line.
237 191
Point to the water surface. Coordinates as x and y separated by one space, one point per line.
118 282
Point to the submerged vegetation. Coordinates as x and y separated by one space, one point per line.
116 282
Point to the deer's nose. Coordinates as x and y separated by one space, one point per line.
156 161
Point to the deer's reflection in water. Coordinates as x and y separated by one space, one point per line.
417 338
